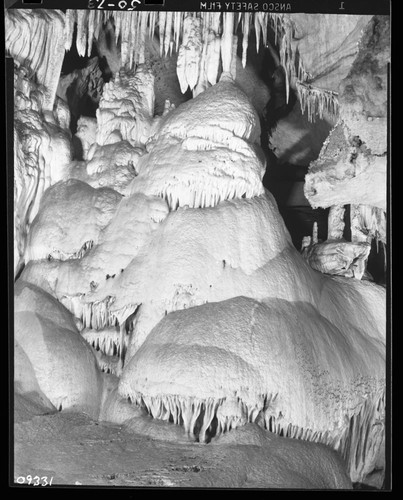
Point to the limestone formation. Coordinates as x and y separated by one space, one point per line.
158 289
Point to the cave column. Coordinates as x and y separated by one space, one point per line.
360 234
336 222
359 230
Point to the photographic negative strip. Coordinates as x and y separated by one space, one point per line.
200 254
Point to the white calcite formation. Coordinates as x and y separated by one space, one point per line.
64 365
35 39
203 40
188 257
346 173
161 259
86 133
275 362
340 258
55 236
127 108
315 464
352 166
189 54
42 153
25 381
326 44
113 165
198 158
317 51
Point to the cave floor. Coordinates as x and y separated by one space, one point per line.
73 449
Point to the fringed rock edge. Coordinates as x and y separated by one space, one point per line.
359 441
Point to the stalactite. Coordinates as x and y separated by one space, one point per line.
151 23
189 54
245 36
161 25
206 33
98 21
141 40
317 101
263 20
118 25
82 32
98 315
367 223
195 196
257 32
108 340
168 32
213 48
91 31
227 41
71 18
358 440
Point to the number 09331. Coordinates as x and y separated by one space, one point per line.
35 480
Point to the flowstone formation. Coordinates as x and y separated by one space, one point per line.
158 286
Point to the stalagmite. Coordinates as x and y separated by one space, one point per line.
126 109
86 133
217 159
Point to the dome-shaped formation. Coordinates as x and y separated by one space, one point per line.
278 363
64 365
205 151
70 219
